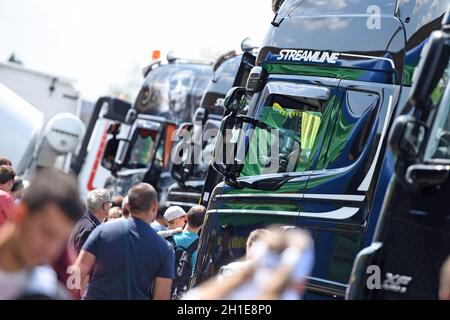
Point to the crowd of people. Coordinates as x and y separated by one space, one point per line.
101 248
55 246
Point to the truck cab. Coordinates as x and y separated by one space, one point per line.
311 150
107 117
412 238
195 152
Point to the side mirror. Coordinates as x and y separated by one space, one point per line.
221 161
256 80
112 146
152 66
407 137
181 170
181 152
276 4
222 58
247 45
227 148
235 99
433 62
426 175
109 154
114 129
117 109
199 114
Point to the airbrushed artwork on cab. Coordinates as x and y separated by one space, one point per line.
174 91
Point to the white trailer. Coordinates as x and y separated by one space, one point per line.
28 141
21 126
49 94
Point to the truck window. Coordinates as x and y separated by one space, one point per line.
354 123
438 147
141 153
154 99
284 138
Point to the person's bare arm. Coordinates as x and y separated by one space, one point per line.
168 233
162 289
85 262
84 286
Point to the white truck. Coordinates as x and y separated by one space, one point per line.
49 94
28 141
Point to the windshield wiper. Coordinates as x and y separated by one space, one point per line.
268 184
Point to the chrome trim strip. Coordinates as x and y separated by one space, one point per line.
299 196
369 57
368 178
187 194
339 214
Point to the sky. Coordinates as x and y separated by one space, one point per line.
104 44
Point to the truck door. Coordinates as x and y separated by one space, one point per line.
293 118
338 194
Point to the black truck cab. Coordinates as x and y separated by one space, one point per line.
412 239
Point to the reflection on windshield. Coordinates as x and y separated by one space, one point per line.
141 153
282 141
315 7
439 142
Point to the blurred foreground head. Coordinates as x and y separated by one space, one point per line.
44 220
7 175
19 187
444 290
279 262
5 161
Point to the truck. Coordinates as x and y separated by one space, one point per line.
135 143
311 150
195 152
50 94
412 238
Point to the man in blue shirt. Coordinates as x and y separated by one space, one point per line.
126 256
195 217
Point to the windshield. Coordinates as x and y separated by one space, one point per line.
141 151
282 140
174 91
439 143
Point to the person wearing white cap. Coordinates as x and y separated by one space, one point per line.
176 217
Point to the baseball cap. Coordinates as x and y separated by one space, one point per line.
174 212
